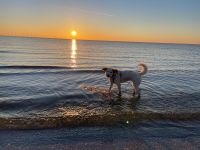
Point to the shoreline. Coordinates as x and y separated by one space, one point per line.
78 120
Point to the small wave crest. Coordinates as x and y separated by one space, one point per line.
46 69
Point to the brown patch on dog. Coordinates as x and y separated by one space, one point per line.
105 69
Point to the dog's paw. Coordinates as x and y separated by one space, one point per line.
119 94
137 96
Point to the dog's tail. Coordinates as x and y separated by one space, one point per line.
142 69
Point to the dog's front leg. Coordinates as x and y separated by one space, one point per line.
119 88
111 85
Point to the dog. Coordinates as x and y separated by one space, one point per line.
117 77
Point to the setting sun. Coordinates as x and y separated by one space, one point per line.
73 33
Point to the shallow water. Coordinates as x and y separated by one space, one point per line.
47 83
154 135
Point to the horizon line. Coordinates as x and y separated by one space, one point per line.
99 40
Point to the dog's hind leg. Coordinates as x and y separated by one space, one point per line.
136 90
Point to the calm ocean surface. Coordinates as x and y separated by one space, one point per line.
48 83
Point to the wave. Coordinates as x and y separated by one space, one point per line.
107 119
86 69
45 70
64 69
51 67
17 103
34 67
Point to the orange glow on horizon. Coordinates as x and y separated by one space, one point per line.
86 34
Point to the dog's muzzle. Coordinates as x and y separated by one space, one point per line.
107 75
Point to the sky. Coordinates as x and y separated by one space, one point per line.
164 21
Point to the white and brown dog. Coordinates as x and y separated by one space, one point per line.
119 77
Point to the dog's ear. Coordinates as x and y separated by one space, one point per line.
115 71
104 69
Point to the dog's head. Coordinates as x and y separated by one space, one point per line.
109 72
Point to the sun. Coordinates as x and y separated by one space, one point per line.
74 33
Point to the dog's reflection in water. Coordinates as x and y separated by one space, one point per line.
112 98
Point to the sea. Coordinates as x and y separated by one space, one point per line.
56 88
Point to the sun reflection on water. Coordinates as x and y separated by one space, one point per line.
73 53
